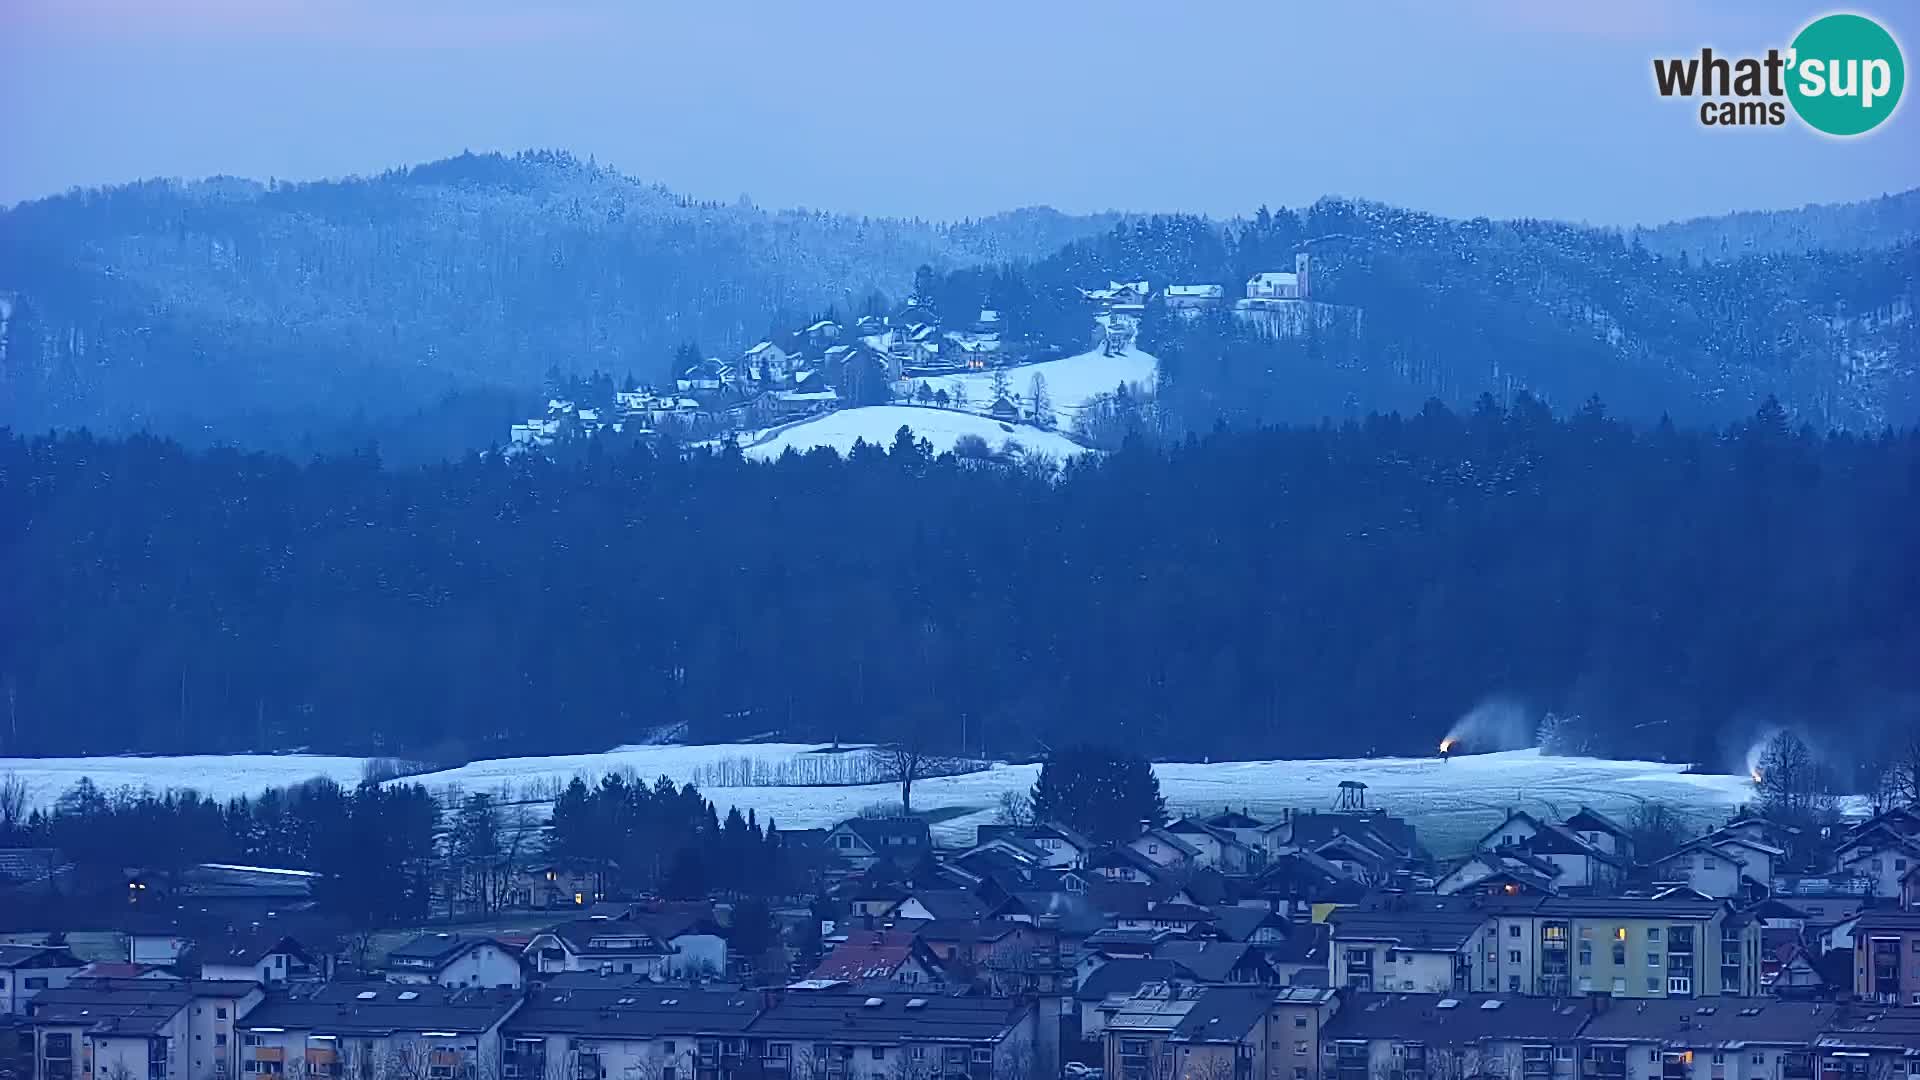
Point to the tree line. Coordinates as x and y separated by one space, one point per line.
1323 590
397 854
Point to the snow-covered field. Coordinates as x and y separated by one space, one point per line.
1450 801
221 776
876 424
1070 382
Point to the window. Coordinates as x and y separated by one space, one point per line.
1653 984
1620 987
250 1039
220 1013
920 1052
33 982
667 1045
1513 956
843 842
1513 930
1619 954
219 1038
1759 1059
1653 959
1301 1021
879 1053
1300 1046
1653 933
1299 1072
1513 984
1619 933
1586 954
1563 1053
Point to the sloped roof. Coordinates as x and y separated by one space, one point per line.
949 903
377 1009
1206 961
1587 819
1455 1019
636 1011
1724 1022
1125 975
837 1015
1414 922
1222 1015
867 954
438 949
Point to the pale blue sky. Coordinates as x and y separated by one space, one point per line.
1504 107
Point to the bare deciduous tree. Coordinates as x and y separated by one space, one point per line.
13 804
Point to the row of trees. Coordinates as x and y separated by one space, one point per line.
372 846
383 852
670 840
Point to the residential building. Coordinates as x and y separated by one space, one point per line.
257 954
1410 944
1134 1030
1452 1036
880 958
1296 1017
1602 832
1280 284
1163 849
1053 845
1736 1038
1194 297
27 970
455 960
610 946
1218 962
1886 957
841 1034
557 885
861 842
1880 1045
1218 848
636 1030
1632 947
139 1029
1223 1037
1881 852
367 1031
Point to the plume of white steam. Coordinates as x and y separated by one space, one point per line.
1497 723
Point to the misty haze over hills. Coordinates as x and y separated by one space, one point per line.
434 300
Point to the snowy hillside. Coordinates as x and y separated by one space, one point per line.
876 424
1070 382
1452 802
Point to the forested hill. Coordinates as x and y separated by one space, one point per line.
1872 223
1305 591
254 312
1452 309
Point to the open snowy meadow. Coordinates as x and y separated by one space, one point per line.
1450 801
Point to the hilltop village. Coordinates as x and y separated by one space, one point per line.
912 356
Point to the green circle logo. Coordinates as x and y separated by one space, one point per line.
1846 74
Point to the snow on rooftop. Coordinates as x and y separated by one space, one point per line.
877 424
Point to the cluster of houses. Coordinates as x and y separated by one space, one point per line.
825 366
1319 946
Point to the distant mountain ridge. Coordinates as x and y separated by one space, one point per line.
421 307
244 310
1871 223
